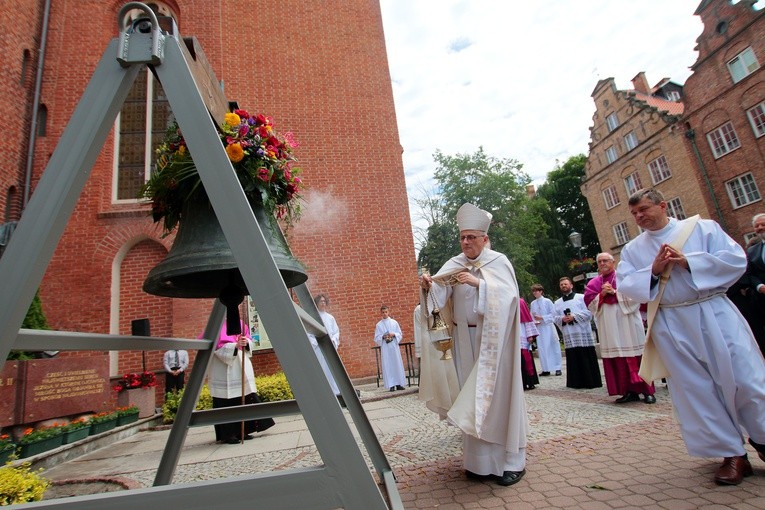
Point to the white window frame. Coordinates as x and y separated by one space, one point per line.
611 154
742 190
742 65
621 233
612 121
723 140
630 140
632 183
659 169
756 116
673 95
610 197
675 209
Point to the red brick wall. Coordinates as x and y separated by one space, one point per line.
321 71
712 99
19 37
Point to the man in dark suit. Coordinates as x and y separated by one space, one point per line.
751 286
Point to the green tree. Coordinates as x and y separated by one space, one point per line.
568 211
35 319
495 185
553 253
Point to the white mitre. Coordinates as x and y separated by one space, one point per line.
470 217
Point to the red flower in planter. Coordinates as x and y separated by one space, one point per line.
132 381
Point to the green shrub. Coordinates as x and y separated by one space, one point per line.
21 485
173 401
272 388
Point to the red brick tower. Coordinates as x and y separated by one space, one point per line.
319 69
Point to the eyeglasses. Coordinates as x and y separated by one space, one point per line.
469 238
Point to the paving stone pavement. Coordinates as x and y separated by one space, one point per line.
585 452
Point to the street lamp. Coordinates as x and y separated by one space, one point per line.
576 241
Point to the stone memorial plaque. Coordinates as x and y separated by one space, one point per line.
62 386
9 385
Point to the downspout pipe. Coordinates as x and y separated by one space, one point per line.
36 106
691 135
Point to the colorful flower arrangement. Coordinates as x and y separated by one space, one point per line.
32 435
132 381
263 162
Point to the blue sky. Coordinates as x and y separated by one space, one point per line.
517 77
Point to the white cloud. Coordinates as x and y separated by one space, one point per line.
517 77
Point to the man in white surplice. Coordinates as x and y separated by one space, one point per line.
388 336
477 293
716 371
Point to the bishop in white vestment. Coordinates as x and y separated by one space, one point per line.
477 293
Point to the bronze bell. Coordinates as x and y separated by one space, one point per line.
200 263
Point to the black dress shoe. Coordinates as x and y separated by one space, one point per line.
510 477
544 374
649 399
529 387
399 387
392 388
628 397
231 440
248 437
760 449
476 476
558 372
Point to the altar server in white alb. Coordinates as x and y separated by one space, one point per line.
476 292
548 343
715 371
333 331
388 336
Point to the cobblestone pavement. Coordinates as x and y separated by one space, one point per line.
584 452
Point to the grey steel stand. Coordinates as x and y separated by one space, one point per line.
344 481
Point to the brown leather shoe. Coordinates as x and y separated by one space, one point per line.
733 471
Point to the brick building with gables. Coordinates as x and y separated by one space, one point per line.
700 144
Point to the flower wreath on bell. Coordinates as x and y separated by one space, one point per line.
263 162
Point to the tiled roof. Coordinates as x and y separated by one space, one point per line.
671 107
